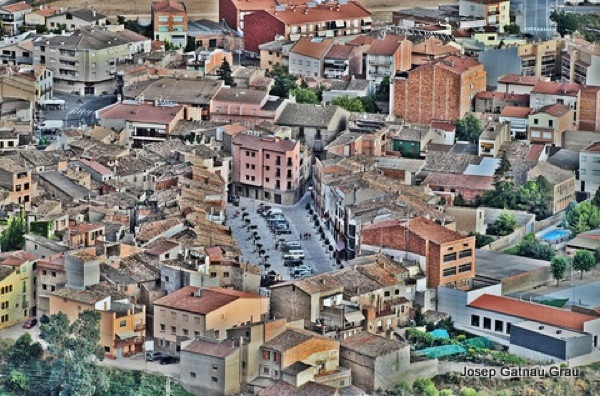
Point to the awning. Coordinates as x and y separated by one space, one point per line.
354 316
340 246
339 23
126 335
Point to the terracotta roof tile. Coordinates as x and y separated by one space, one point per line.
516 111
211 299
387 46
556 88
340 52
361 40
517 79
555 110
264 143
292 338
17 257
320 13
211 347
464 181
522 98
140 112
169 6
312 47
371 345
537 312
16 7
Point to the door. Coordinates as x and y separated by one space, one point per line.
89 90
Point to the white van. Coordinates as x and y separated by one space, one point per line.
51 125
294 254
274 211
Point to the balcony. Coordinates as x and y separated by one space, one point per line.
139 327
380 62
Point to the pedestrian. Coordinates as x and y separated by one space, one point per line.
309 237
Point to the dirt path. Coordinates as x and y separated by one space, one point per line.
209 8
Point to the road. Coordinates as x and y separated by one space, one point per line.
78 110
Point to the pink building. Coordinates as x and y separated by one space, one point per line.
244 106
267 168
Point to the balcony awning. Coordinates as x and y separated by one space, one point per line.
340 246
126 335
339 23
354 316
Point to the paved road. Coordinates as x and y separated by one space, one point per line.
297 216
78 110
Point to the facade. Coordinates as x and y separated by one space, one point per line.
51 276
450 185
540 58
495 102
170 21
386 57
17 287
274 53
38 17
431 48
13 17
18 181
589 177
191 312
342 60
588 115
307 56
71 20
449 256
495 12
562 181
548 124
492 138
518 119
84 61
580 62
267 168
440 90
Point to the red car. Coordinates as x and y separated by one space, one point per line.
30 323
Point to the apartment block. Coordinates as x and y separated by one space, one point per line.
495 12
51 276
548 124
267 168
440 90
589 168
246 107
75 19
580 62
589 109
13 17
449 256
307 56
540 58
170 21
17 180
17 287
562 181
386 57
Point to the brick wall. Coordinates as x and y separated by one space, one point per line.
313 351
259 28
228 11
291 303
589 110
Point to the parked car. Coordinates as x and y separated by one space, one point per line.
167 359
264 210
151 356
293 262
299 274
303 267
30 323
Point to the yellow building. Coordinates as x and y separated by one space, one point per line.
122 324
17 290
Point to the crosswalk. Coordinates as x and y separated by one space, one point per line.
80 112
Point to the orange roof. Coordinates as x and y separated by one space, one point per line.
46 12
434 46
21 6
361 40
387 46
234 129
16 258
341 52
534 152
426 229
315 48
453 63
594 147
169 6
321 13
209 300
516 79
556 88
476 182
555 110
516 111
523 98
536 312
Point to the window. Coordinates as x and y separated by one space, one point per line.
465 253
177 19
163 19
215 367
266 371
214 379
499 326
464 268
595 172
192 374
386 294
536 121
507 328
225 274
449 271
216 333
173 330
266 355
186 318
449 257
583 172
583 158
487 323
123 323
162 327
551 123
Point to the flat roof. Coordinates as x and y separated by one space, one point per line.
499 266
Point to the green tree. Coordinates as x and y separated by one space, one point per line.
13 237
504 167
459 200
596 199
349 103
597 254
425 387
532 248
482 240
190 44
369 104
558 268
513 28
583 261
306 95
582 217
169 46
504 225
73 349
469 128
383 91
224 73
566 22
466 391
446 392
283 83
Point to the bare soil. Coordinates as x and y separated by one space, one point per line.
209 8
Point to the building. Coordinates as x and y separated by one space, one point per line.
44 80
191 312
386 57
9 140
170 21
492 138
411 141
211 35
267 168
377 363
246 107
589 177
17 287
518 119
495 102
419 16
441 90
589 109
84 61
307 56
38 17
17 180
75 19
13 17
431 48
548 93
275 53
449 256
517 84
144 122
548 123
580 62
562 181
450 185
495 12
122 324
260 22
342 60
51 276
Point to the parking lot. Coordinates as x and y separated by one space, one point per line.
259 244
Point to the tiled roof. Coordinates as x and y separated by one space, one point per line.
537 312
211 347
523 98
16 258
252 142
594 147
16 7
152 229
85 227
161 247
312 47
434 46
140 112
426 229
96 166
556 88
292 338
84 13
86 37
46 12
371 345
555 110
516 111
459 181
361 40
552 173
320 13
387 46
307 115
516 79
240 95
211 299
179 90
169 6
88 296
340 52
453 63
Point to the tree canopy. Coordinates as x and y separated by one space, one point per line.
224 73
469 128
512 29
356 104
383 91
13 236
306 95
582 217
558 268
566 22
504 225
283 83
532 248
583 261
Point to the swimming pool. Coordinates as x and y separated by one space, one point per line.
555 235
